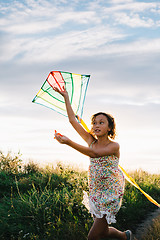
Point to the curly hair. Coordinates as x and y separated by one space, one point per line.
111 124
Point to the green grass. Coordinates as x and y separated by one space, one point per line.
46 203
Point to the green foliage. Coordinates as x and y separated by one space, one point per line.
10 164
44 204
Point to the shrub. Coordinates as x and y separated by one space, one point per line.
10 164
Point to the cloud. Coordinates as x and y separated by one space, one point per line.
41 16
142 46
37 17
91 42
35 31
55 48
120 1
122 99
134 14
133 20
134 6
28 25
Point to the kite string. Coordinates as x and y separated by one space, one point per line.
126 175
132 181
82 123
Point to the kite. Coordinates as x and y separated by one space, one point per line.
76 86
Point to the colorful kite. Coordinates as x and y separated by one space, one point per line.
76 86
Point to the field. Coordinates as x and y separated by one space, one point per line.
46 203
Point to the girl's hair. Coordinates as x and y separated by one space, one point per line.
111 124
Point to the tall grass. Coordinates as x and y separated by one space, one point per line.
46 203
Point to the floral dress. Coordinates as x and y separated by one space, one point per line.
106 188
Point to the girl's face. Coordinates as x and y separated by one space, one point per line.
100 125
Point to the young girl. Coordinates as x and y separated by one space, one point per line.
106 182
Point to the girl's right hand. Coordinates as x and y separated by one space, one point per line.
64 93
61 138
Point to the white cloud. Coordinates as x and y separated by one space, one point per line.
28 25
127 93
94 42
38 17
133 20
120 1
41 16
134 47
128 7
134 6
59 47
133 14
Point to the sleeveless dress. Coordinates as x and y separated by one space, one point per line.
106 188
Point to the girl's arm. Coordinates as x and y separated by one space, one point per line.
72 119
111 149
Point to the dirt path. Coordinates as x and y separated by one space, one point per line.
144 226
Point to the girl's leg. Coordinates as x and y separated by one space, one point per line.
114 233
98 229
101 229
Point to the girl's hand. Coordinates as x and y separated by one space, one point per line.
61 138
63 92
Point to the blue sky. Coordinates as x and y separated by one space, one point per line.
117 43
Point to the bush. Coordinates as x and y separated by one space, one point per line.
10 164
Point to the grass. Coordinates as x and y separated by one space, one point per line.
153 232
46 203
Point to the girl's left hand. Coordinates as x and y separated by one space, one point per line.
61 138
63 92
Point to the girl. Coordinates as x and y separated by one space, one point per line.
106 182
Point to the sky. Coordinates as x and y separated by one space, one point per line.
117 42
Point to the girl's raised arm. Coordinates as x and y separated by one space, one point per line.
72 119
